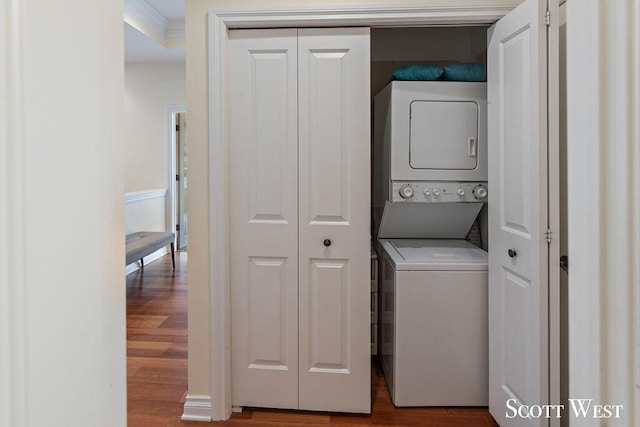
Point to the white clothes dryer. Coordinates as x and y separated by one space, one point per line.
433 322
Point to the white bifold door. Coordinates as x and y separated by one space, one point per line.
518 214
300 198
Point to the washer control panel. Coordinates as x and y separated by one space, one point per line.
436 191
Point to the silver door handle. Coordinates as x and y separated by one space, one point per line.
473 147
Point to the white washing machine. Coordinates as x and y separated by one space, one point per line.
433 322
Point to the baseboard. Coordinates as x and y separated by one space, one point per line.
147 260
197 408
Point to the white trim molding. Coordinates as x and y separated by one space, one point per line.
219 22
146 19
136 196
603 181
197 408
174 34
13 324
634 16
365 15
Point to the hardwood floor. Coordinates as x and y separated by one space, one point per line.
157 367
157 343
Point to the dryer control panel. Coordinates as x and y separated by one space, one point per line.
438 191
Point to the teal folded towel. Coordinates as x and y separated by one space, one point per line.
466 72
417 72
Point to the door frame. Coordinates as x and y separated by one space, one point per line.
219 22
171 201
603 194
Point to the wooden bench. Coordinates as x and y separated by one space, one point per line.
143 243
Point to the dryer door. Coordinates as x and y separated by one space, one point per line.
444 135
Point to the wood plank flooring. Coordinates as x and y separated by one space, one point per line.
157 367
157 343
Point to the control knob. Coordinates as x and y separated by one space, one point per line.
406 192
480 192
427 192
436 192
460 192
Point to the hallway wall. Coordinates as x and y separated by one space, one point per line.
149 89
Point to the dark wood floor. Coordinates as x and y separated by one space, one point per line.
157 343
157 367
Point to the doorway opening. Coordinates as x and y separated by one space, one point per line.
178 182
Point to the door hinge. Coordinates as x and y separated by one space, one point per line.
177 177
547 235
177 227
178 126
564 263
547 18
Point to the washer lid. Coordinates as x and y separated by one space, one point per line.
434 254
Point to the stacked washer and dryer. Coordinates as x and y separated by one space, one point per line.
430 185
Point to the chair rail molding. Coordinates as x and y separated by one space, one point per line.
13 350
219 22
136 196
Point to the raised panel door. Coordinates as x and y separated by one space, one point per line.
518 255
264 217
334 219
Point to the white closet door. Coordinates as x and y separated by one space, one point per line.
264 217
518 254
334 152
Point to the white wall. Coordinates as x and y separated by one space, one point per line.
145 211
62 292
149 89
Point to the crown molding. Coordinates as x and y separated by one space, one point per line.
174 34
144 18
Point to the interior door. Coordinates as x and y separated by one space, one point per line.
181 167
518 252
264 217
334 152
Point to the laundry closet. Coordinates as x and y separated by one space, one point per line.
311 189
429 187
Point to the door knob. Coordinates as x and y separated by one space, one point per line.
512 253
327 242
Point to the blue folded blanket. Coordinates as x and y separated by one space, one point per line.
466 72
417 72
